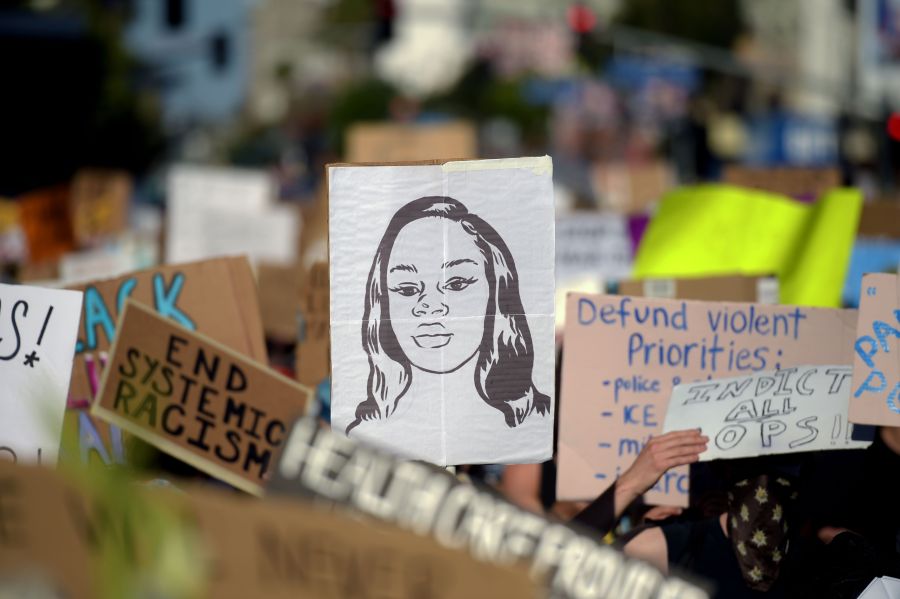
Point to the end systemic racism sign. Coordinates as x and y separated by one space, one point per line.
196 399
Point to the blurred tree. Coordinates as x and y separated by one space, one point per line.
717 22
480 95
367 100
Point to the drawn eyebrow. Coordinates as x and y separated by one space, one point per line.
406 267
458 261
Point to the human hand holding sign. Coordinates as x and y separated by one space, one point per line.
661 453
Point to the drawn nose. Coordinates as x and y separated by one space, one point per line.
428 307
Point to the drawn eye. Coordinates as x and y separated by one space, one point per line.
458 283
406 289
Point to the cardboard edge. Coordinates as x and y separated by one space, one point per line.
163 443
233 353
173 449
246 293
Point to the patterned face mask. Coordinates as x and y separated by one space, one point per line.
758 528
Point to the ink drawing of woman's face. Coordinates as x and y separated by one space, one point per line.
438 294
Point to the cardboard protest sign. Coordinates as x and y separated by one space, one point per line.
196 399
330 468
876 365
269 235
880 219
89 440
82 542
794 182
299 550
37 342
392 142
632 188
39 534
313 346
279 299
99 205
196 195
591 249
13 248
622 356
442 308
47 223
215 297
707 230
760 290
803 408
111 260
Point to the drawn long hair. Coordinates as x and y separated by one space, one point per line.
505 356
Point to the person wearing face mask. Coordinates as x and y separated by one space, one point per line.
745 550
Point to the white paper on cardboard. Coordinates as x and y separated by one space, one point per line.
38 328
269 236
791 410
882 587
593 244
442 309
208 205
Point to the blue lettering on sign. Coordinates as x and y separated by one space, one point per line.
672 482
96 315
640 415
99 320
166 299
124 293
721 346
867 347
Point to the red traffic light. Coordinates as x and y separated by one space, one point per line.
893 126
581 18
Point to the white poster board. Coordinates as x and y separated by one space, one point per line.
442 308
781 411
593 243
216 211
38 328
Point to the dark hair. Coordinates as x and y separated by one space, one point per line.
505 358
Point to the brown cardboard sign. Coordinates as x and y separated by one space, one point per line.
45 218
622 356
279 297
281 548
99 205
58 535
215 297
196 399
12 238
632 188
880 219
762 290
800 183
322 464
38 533
388 142
876 366
313 349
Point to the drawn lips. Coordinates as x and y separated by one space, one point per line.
432 341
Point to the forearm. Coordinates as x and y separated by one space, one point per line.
601 515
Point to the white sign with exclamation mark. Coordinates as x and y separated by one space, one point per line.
38 329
